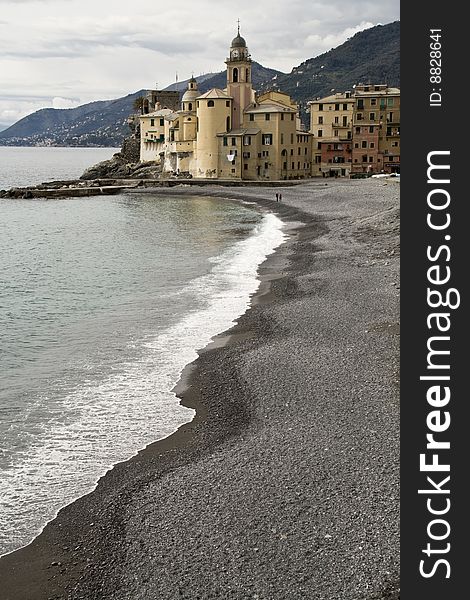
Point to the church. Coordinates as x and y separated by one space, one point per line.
229 134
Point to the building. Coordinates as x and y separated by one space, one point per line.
331 128
356 132
376 129
230 133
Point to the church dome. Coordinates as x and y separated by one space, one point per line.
238 42
190 95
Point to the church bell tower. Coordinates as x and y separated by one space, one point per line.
239 78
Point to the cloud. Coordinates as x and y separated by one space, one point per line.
58 102
84 50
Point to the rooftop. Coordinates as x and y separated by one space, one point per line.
214 93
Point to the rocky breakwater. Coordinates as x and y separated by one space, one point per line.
65 189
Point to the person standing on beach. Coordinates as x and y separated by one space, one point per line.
277 197
280 197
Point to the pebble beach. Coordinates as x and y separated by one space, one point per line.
285 486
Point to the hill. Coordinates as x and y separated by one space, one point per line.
372 55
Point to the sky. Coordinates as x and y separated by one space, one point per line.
63 53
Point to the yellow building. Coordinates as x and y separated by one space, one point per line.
231 133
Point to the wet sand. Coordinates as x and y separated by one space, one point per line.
285 485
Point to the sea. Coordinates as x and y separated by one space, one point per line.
103 302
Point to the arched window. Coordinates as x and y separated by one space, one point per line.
210 103
190 106
235 75
228 123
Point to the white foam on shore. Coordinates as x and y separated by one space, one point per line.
96 426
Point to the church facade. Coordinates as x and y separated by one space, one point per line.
230 134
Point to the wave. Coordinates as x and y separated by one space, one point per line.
98 425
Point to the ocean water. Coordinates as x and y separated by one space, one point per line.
103 301
20 167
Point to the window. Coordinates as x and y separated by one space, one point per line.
390 117
225 141
364 158
358 130
245 166
246 155
234 141
371 129
345 121
162 122
319 146
210 103
267 116
228 124
389 101
317 160
198 103
292 151
235 75
371 159
349 135
227 103
282 138
320 120
363 144
320 107
305 151
356 145
292 117
247 140
291 138
298 151
320 133
233 170
152 122
190 106
394 144
335 133
359 116
372 145
267 139
345 107
293 166
371 116
336 120
252 117
284 166
298 166
336 106
266 165
373 101
360 104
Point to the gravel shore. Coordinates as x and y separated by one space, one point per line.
285 486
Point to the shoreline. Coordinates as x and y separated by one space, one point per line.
87 551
